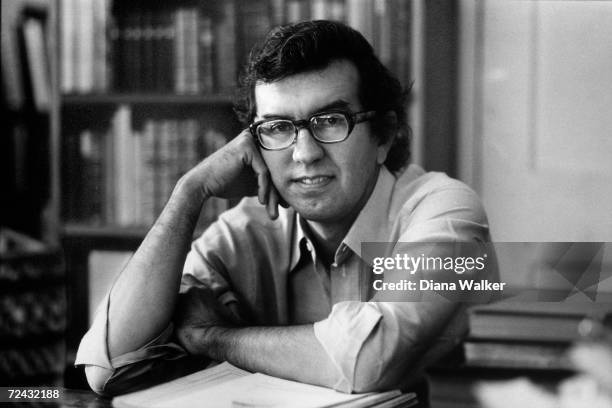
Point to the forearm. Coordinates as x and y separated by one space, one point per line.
291 352
143 298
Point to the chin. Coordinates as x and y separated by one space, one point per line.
317 214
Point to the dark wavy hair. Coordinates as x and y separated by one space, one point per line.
312 45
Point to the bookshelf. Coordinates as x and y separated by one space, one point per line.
143 90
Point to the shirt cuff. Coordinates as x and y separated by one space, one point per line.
342 336
93 349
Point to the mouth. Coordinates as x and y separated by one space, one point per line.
313 181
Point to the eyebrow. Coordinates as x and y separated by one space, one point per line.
337 104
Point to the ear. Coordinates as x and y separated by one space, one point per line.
389 121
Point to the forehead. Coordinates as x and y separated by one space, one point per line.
305 93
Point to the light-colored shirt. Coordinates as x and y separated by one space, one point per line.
270 268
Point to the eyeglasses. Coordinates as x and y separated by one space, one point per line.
326 127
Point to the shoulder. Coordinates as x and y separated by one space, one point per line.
424 197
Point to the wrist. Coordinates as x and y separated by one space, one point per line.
210 342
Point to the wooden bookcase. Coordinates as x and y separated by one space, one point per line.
135 72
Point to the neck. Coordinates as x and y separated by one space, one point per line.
327 238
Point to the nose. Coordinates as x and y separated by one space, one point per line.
306 149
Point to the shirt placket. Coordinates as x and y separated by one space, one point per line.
345 276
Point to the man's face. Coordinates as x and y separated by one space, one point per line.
325 183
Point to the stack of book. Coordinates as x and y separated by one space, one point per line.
514 339
528 334
124 176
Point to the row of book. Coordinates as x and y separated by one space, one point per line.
124 176
196 47
384 23
513 339
183 48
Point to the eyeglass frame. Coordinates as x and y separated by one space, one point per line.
352 119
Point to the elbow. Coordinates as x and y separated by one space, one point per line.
366 382
97 378
375 376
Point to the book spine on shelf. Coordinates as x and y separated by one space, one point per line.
401 40
180 52
278 13
110 190
115 56
383 25
337 11
100 45
148 164
360 17
68 24
71 181
166 56
192 156
85 46
319 9
254 23
163 168
205 38
225 48
124 174
148 52
38 65
297 10
137 58
91 183
137 176
192 51
130 57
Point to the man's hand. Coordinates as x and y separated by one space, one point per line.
234 171
197 310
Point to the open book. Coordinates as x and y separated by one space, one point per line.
225 386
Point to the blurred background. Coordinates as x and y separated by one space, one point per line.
106 103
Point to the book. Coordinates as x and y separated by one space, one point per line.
123 182
38 63
513 354
67 45
100 72
360 16
226 386
297 10
224 46
91 183
536 321
84 56
454 385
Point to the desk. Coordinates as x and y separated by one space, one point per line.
72 398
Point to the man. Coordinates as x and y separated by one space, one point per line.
286 293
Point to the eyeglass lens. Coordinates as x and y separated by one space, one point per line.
327 127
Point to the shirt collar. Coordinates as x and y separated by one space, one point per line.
372 223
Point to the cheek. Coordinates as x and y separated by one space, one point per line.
275 163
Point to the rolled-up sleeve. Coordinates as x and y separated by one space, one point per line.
124 373
378 345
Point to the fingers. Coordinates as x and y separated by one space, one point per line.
272 204
263 177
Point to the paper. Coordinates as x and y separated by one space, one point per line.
226 386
